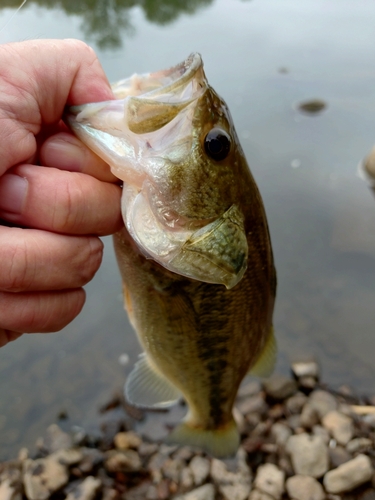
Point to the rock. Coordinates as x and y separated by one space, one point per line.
322 402
172 468
43 476
307 382
235 492
205 492
125 440
249 389
280 433
91 459
309 416
186 479
280 387
349 475
147 449
259 495
359 444
301 487
295 403
221 475
200 469
309 455
69 457
252 404
56 439
122 461
338 456
144 490
240 420
9 492
270 479
11 482
318 430
339 425
86 490
306 369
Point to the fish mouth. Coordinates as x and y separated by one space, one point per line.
147 128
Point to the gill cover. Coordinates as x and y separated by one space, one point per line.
142 134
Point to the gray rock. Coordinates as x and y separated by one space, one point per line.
186 479
252 404
200 469
309 416
270 479
205 492
11 482
122 461
322 402
306 369
172 468
359 444
43 476
221 474
280 387
249 389
56 439
307 382
69 457
304 488
240 420
349 475
295 403
318 430
86 490
339 425
309 455
338 455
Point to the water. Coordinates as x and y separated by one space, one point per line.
264 57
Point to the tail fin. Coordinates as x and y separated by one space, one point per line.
220 443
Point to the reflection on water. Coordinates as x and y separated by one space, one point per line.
105 21
265 57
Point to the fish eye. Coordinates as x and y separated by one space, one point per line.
217 144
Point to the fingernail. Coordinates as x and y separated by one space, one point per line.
64 154
13 191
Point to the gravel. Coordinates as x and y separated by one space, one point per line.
299 442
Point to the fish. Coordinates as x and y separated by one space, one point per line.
195 254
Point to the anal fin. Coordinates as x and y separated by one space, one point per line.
148 388
266 362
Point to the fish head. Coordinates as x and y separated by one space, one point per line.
170 138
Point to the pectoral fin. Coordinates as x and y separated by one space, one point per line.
265 364
148 388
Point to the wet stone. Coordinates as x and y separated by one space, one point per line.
349 475
85 490
309 455
301 487
279 387
200 469
339 425
270 479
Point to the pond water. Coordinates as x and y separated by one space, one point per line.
264 57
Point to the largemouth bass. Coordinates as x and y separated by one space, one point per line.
195 254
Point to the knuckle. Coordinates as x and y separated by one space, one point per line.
91 258
19 267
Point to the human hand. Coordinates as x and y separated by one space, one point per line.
56 196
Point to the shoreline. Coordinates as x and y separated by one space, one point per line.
299 440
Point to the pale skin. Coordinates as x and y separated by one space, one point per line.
56 197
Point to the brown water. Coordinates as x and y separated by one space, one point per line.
264 57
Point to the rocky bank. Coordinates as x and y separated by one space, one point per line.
300 441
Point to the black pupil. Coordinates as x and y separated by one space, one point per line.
217 144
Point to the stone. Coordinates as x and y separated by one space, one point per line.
349 475
240 420
249 389
85 490
309 416
339 425
309 455
280 433
301 487
9 492
252 404
359 444
172 468
239 491
270 479
43 476
279 387
318 430
221 474
92 457
259 495
147 449
126 440
305 369
186 479
69 457
200 469
11 481
295 403
338 455
122 461
307 382
205 492
322 402
56 439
